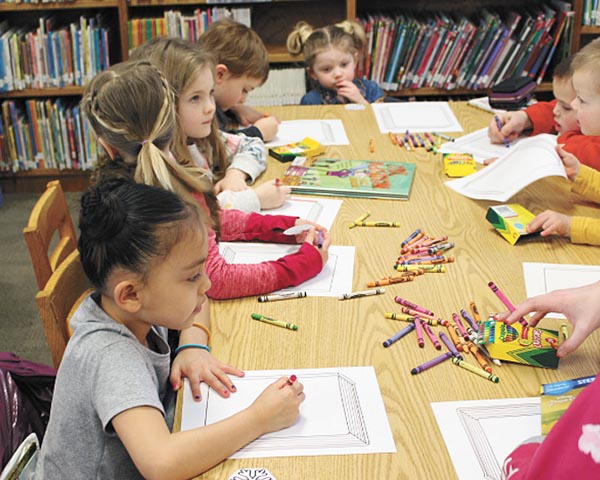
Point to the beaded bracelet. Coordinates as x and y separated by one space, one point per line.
203 327
192 345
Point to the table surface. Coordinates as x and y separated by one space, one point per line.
350 333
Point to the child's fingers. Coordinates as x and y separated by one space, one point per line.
176 376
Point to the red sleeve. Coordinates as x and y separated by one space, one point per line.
542 116
236 225
585 147
242 280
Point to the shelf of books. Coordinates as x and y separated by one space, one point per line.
458 53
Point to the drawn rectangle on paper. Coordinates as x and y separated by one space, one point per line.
477 144
480 434
322 210
326 132
416 117
343 413
333 280
541 278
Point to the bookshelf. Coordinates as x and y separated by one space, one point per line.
582 34
272 20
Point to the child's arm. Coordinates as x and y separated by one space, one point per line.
158 453
198 365
246 115
248 159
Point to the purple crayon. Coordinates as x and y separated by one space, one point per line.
399 335
450 346
431 363
460 326
469 319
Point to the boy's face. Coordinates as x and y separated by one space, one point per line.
587 102
565 116
333 66
196 106
230 90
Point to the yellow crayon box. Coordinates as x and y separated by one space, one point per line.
305 148
459 164
520 344
510 220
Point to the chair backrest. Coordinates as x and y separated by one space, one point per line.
50 215
63 292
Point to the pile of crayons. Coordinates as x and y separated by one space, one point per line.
460 338
416 140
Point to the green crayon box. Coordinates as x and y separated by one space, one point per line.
510 220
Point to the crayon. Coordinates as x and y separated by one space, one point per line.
440 247
469 320
505 301
410 237
414 306
419 330
475 311
391 280
432 337
377 224
364 293
399 140
272 321
400 316
320 239
410 311
371 145
420 140
499 125
450 345
431 363
425 268
277 182
481 360
362 218
460 326
393 138
407 141
445 137
475 370
564 330
291 379
454 337
406 330
281 296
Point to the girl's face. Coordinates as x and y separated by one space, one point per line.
196 106
333 66
173 291
587 102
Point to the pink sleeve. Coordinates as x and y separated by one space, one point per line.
542 116
241 280
236 225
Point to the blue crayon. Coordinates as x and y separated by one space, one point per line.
399 335
410 237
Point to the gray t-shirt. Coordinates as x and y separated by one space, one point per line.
105 371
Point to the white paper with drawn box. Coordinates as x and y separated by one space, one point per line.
532 159
416 117
326 132
541 278
333 280
479 145
343 413
480 434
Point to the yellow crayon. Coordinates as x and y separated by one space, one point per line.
410 318
477 371
377 224
360 219
421 266
564 330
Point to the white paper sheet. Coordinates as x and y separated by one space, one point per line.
343 413
480 434
326 132
333 280
319 210
477 144
533 158
542 278
416 117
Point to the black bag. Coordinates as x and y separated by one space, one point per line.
512 93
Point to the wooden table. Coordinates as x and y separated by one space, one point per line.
350 333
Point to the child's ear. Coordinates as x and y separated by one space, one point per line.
311 73
110 150
127 296
221 73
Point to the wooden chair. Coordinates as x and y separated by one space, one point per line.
50 215
64 291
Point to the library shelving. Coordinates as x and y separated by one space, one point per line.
272 20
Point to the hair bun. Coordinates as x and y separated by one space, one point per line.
103 215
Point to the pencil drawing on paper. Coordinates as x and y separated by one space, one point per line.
474 419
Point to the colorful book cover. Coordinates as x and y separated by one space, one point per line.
556 398
520 344
351 178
